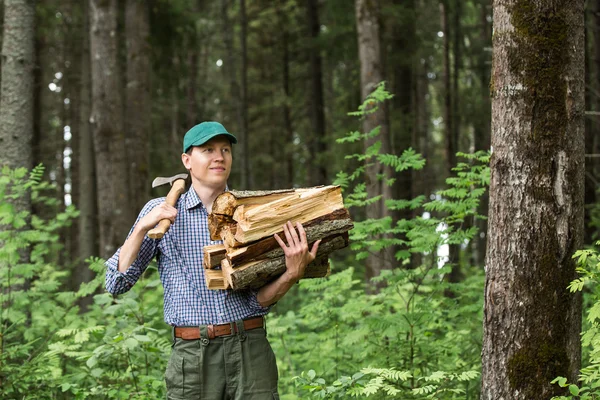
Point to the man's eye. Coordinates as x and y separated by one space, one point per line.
226 150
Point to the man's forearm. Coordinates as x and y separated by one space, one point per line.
130 249
272 292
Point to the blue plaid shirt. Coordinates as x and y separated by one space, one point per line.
188 302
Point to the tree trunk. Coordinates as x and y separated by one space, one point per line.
138 107
286 109
369 50
449 131
245 137
86 184
532 322
402 58
316 143
481 138
107 125
16 94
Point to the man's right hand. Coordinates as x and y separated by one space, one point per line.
158 213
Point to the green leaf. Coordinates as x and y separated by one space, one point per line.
574 390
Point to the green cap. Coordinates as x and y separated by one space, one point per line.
203 132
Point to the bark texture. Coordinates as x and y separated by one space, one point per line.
371 73
16 94
532 322
107 125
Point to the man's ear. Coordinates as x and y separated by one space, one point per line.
185 159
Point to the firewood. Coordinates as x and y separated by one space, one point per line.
215 280
258 273
226 203
228 237
327 225
213 254
257 221
216 222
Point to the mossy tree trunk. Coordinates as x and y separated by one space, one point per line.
532 322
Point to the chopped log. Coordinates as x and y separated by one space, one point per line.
226 203
319 268
215 280
337 222
228 237
257 221
216 222
213 254
256 274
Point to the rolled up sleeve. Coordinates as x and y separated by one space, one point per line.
120 282
255 305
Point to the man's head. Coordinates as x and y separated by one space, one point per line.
203 132
207 155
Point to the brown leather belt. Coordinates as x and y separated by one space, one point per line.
193 332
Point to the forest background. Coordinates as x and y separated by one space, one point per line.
114 85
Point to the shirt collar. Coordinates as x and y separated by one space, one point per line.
192 200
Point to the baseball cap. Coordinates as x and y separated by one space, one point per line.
203 132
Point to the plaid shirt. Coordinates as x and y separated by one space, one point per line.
188 302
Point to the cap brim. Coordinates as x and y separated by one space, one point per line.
229 136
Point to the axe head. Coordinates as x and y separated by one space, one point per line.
159 181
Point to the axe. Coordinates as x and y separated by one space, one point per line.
177 188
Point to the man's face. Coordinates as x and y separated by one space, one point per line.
210 164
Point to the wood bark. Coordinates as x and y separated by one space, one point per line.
371 74
532 322
317 144
115 215
138 106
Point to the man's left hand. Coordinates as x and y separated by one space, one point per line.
297 256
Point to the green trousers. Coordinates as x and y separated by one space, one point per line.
236 367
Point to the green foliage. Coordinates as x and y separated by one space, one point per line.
408 340
49 348
588 386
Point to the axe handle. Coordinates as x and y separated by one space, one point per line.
163 226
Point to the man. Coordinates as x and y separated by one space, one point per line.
220 348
